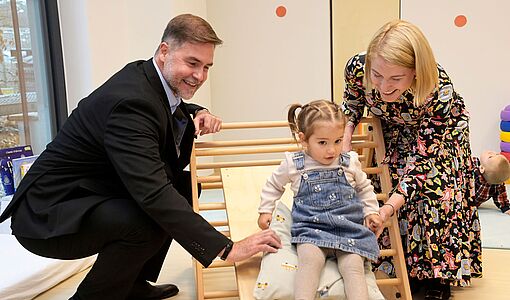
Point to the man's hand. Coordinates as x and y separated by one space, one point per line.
205 122
507 212
263 241
264 220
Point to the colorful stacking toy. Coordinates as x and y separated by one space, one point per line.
505 133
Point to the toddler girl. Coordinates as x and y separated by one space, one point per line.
333 201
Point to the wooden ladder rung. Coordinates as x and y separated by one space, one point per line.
388 252
220 264
233 164
219 223
212 186
250 150
260 124
212 206
220 294
209 179
218 144
382 197
360 145
389 281
373 170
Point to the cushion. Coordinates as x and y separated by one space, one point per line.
277 270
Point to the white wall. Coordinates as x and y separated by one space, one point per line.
475 56
268 62
76 50
265 64
100 37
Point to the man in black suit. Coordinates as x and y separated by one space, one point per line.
112 180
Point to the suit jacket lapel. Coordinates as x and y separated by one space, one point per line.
187 140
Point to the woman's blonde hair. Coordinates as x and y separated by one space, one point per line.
319 110
403 44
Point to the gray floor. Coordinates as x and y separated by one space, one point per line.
495 227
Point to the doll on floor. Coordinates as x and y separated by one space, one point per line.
491 171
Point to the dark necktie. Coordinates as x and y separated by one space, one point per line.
179 122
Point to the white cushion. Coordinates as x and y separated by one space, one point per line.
277 270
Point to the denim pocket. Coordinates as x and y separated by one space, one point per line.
329 193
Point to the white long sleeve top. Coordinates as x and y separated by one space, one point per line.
287 173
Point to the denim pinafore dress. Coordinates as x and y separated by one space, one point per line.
327 212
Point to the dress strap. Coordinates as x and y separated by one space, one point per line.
299 160
345 160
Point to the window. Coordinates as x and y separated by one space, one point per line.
32 94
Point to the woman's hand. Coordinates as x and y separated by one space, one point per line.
386 211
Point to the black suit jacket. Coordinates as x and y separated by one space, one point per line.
118 143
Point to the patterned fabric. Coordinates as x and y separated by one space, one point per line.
486 191
429 157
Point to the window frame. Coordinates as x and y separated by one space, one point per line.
50 20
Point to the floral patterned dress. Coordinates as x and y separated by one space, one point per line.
429 158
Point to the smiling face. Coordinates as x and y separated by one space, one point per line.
186 67
391 81
324 145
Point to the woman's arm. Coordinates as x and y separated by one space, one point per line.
353 105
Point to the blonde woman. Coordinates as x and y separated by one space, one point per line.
426 133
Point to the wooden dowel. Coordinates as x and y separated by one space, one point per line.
255 142
246 125
209 179
220 264
252 150
361 145
212 206
220 294
373 170
212 186
245 163
219 223
388 252
388 281
382 197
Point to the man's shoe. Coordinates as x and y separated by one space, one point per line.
147 291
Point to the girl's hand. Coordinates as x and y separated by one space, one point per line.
373 222
264 220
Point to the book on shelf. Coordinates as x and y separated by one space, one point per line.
20 167
6 166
